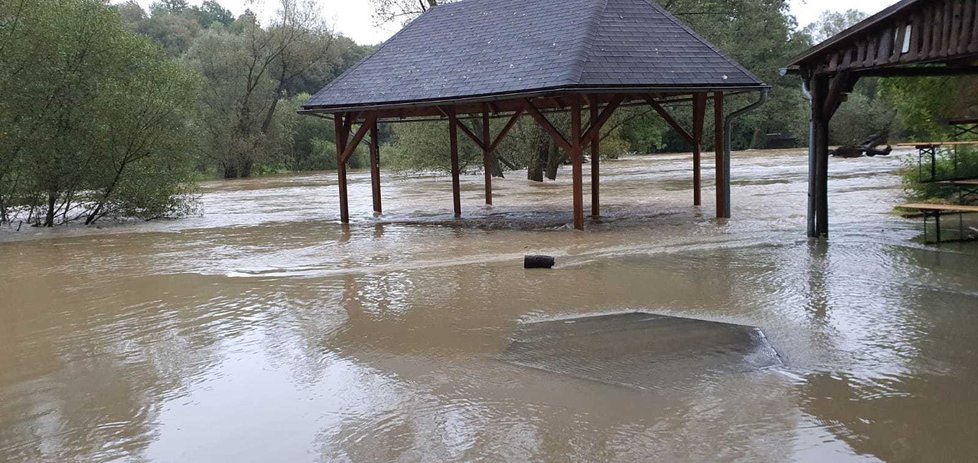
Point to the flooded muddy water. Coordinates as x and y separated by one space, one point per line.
263 330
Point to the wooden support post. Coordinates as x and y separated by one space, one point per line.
595 165
375 167
487 154
820 119
456 182
699 120
721 177
576 159
342 134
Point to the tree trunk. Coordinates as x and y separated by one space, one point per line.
555 157
497 168
230 171
49 218
538 159
246 167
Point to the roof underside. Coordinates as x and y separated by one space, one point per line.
910 35
504 49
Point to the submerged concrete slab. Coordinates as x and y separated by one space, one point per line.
640 350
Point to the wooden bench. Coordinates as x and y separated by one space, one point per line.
931 149
938 210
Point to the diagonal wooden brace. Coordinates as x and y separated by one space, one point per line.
353 144
502 134
559 139
595 129
670 120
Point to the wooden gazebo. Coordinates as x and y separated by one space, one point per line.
912 38
483 59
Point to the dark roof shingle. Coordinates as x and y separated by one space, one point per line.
477 48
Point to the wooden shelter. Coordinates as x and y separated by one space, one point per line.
483 59
912 38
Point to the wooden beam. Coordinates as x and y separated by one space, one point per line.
502 134
699 121
548 127
452 115
670 120
928 71
353 144
577 161
595 164
819 161
835 96
967 16
721 178
487 154
342 134
594 130
375 167
456 170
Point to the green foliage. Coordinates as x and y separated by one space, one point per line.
425 146
831 23
926 104
95 116
865 114
950 165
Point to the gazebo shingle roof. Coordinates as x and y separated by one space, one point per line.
485 48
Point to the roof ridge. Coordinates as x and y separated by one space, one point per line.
588 46
654 4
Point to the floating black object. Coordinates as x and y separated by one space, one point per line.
539 262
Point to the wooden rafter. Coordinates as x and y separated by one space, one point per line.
451 114
357 138
595 129
506 129
929 32
558 138
671 120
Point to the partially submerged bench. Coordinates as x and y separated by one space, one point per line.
968 188
938 210
931 150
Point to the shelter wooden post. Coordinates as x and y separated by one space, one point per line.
595 166
342 134
456 181
487 153
375 167
722 182
699 120
577 161
822 174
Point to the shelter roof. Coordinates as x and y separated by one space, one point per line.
490 50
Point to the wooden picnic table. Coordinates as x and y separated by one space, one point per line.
938 210
930 149
962 182
928 144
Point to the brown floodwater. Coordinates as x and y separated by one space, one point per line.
263 330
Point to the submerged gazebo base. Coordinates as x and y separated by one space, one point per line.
600 108
479 59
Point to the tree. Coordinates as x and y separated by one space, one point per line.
831 23
82 96
248 75
386 11
210 12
